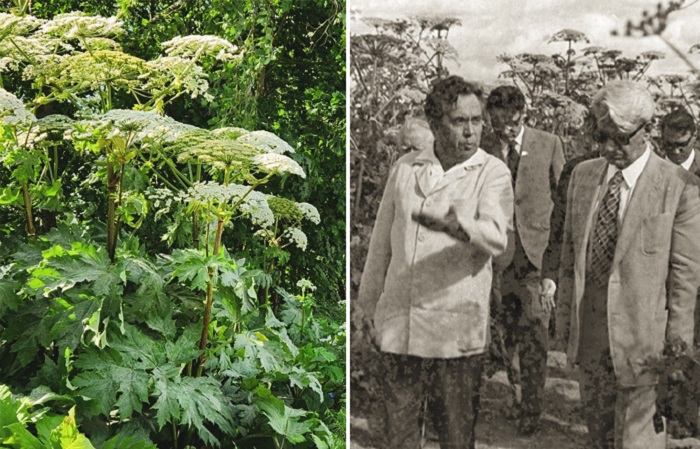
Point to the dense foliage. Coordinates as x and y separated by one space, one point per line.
157 285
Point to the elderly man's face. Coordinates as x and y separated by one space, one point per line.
676 144
458 131
506 123
618 148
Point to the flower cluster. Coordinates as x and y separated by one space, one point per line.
84 72
180 73
144 127
306 284
254 205
15 51
266 141
194 47
76 25
12 25
296 236
12 110
310 212
278 164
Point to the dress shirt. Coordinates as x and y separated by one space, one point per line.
518 144
631 175
686 163
435 171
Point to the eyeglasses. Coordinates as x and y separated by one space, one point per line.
620 139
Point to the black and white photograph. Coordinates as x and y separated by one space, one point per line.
524 194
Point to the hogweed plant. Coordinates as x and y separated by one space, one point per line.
115 332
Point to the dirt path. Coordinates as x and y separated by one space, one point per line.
562 424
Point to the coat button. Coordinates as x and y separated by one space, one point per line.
428 203
421 237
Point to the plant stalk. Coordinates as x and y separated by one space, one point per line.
210 298
31 229
112 183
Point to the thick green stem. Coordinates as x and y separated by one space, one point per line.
31 230
210 299
112 183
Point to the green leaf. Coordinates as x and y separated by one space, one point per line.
191 266
9 299
283 419
105 377
66 436
194 401
300 378
21 438
120 442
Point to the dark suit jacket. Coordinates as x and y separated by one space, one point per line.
541 163
695 166
656 267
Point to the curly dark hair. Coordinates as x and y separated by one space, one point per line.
679 120
445 93
506 97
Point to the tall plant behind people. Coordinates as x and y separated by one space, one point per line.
122 304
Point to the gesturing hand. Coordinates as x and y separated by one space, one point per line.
447 224
547 289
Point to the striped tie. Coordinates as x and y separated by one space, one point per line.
605 231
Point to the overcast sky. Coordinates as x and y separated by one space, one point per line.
491 28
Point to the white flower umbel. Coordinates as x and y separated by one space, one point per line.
267 141
254 205
148 126
296 236
310 212
12 25
306 284
278 164
12 110
99 43
75 25
196 46
29 138
180 73
21 49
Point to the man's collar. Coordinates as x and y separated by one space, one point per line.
686 164
518 140
428 156
632 172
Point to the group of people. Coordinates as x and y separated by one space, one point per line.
476 229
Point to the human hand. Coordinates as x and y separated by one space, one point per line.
367 330
547 289
447 224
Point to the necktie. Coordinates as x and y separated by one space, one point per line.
605 231
512 160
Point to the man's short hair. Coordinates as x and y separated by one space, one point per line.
679 120
509 98
627 104
445 93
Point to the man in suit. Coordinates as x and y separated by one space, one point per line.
630 268
678 144
424 293
678 140
535 159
